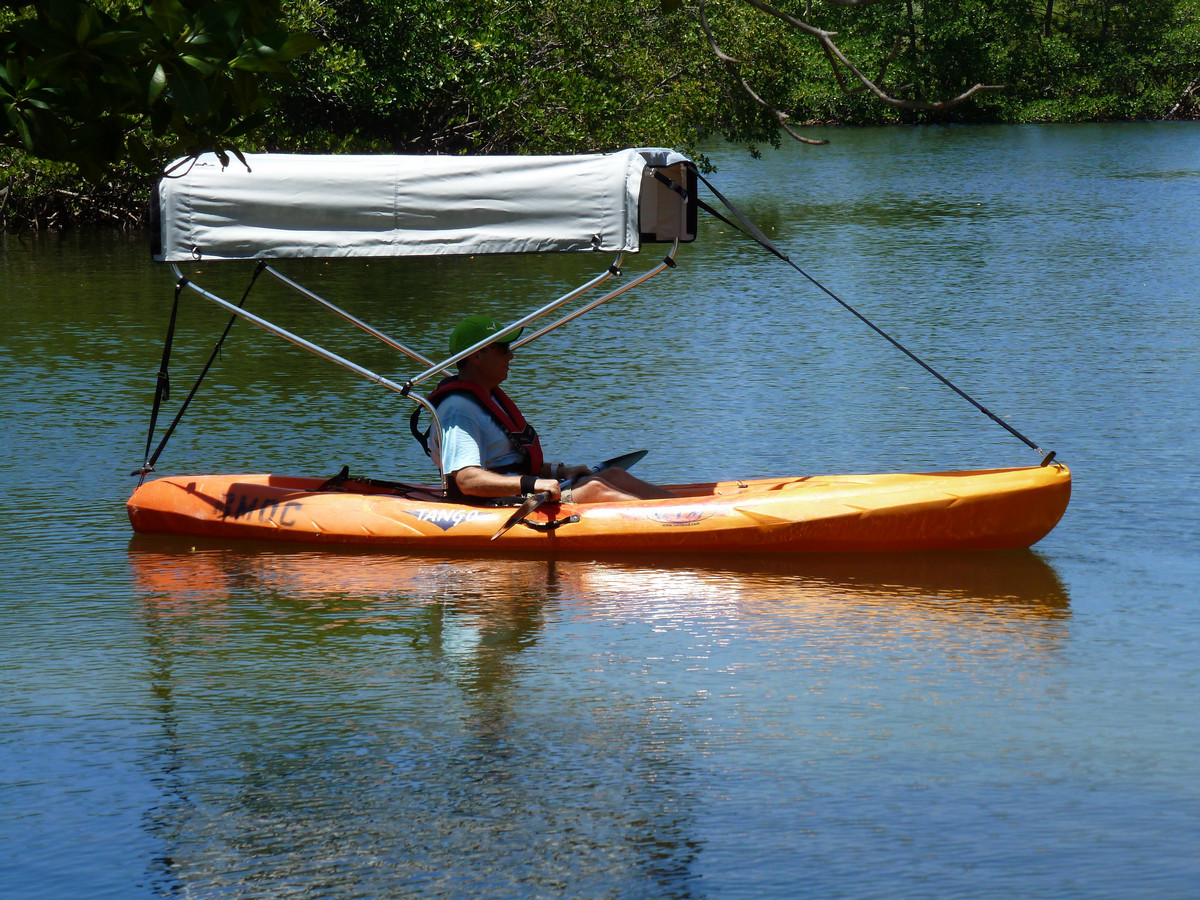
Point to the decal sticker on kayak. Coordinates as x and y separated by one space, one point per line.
243 506
446 519
684 517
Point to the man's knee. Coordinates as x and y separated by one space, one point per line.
596 490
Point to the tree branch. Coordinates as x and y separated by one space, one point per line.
1185 97
825 38
839 63
735 68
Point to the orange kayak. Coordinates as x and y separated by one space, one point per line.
994 509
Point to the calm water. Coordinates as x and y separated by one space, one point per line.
207 721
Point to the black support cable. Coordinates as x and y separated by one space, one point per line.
151 460
162 386
747 227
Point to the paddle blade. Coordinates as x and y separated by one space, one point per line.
531 503
624 461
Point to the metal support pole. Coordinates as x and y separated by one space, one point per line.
614 269
294 339
354 320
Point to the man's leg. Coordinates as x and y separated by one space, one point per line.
614 485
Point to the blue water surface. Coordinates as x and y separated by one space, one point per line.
184 718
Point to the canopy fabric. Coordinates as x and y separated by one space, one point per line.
286 206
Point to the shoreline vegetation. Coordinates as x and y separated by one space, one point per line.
574 76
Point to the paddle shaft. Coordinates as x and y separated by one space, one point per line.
534 501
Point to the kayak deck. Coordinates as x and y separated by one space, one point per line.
994 509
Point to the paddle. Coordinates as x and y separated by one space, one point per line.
533 501
624 462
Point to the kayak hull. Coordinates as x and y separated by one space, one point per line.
995 509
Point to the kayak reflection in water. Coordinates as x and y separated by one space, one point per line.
489 450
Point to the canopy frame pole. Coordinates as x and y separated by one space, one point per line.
300 342
406 390
316 350
353 320
435 435
614 269
667 263
421 401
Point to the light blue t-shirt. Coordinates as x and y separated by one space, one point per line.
471 437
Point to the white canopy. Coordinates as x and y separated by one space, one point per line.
355 206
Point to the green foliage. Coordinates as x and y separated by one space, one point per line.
519 76
95 83
1101 59
43 194
110 82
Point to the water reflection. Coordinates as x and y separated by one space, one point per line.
379 724
350 721
505 592
1018 584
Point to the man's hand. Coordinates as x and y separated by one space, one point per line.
566 473
549 486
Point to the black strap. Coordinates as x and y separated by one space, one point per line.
335 483
552 525
670 183
344 481
162 387
151 460
421 436
753 231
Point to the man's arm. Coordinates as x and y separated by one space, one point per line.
476 481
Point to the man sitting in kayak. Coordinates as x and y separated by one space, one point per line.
489 450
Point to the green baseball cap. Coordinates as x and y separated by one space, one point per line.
473 329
